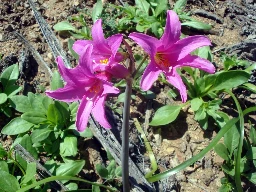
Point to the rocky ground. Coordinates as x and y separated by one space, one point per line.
234 31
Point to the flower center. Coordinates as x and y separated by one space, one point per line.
161 60
95 88
104 61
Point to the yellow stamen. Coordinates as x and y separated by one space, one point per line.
104 61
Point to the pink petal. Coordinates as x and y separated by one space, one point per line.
197 62
109 88
148 43
149 76
98 112
67 94
174 78
172 29
185 46
79 45
114 42
118 70
83 113
85 61
71 76
99 42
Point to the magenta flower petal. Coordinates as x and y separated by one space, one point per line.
109 88
149 76
114 42
98 112
99 42
83 113
85 60
79 45
66 94
185 46
118 70
147 42
174 78
71 76
172 29
196 62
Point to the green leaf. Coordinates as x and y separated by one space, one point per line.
179 5
222 151
109 156
231 139
118 172
70 45
41 134
71 168
26 142
97 10
34 117
165 115
54 114
56 81
16 126
72 186
102 171
197 25
3 153
251 177
251 153
230 79
111 168
64 26
30 173
8 183
3 98
12 90
252 135
69 146
205 52
4 166
249 87
95 188
143 5
20 103
161 6
64 112
9 75
196 103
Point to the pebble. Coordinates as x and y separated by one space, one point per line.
50 56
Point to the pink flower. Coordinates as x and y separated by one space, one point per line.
85 86
105 55
169 52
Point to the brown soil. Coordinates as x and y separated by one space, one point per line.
173 143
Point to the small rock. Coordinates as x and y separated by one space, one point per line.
170 150
50 56
1 37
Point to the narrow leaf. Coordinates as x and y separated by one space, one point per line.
64 26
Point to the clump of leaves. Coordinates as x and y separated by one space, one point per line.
8 88
112 172
228 150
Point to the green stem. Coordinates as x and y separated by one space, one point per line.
148 148
54 178
240 145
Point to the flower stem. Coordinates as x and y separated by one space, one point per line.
125 136
126 117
